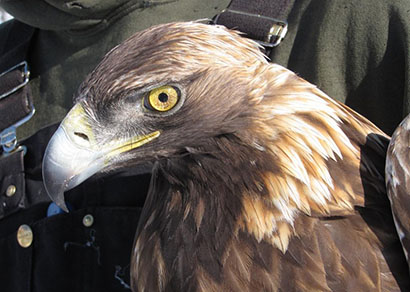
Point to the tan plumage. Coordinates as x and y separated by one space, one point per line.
261 181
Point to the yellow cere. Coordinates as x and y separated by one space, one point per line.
163 98
77 122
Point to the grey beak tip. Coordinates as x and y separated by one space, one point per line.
59 201
63 206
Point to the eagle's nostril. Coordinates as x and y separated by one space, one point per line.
82 136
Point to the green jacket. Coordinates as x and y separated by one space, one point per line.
358 52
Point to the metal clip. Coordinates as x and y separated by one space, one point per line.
277 33
25 75
8 141
8 138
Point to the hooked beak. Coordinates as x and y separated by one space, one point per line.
73 154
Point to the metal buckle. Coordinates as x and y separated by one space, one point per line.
8 138
25 75
276 33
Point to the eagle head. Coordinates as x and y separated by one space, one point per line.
172 83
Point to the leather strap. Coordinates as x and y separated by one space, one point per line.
15 97
15 106
260 20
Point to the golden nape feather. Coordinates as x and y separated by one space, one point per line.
261 182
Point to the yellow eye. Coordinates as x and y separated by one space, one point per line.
162 98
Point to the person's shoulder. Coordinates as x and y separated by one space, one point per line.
11 34
5 29
7 24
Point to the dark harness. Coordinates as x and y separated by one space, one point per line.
16 108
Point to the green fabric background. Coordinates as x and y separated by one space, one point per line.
355 51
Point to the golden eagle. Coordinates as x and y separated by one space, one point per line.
261 182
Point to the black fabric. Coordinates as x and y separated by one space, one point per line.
14 50
84 259
65 255
11 174
255 20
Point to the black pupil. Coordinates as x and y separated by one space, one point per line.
163 97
